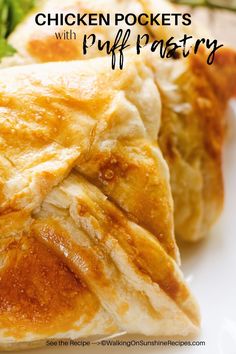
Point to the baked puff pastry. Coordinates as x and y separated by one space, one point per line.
80 267
86 213
194 98
191 138
56 117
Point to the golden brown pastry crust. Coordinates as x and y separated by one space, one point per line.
114 274
83 268
191 139
54 117
31 273
192 136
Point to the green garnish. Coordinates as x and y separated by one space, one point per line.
11 13
6 50
229 5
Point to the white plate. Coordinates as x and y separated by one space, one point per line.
210 269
